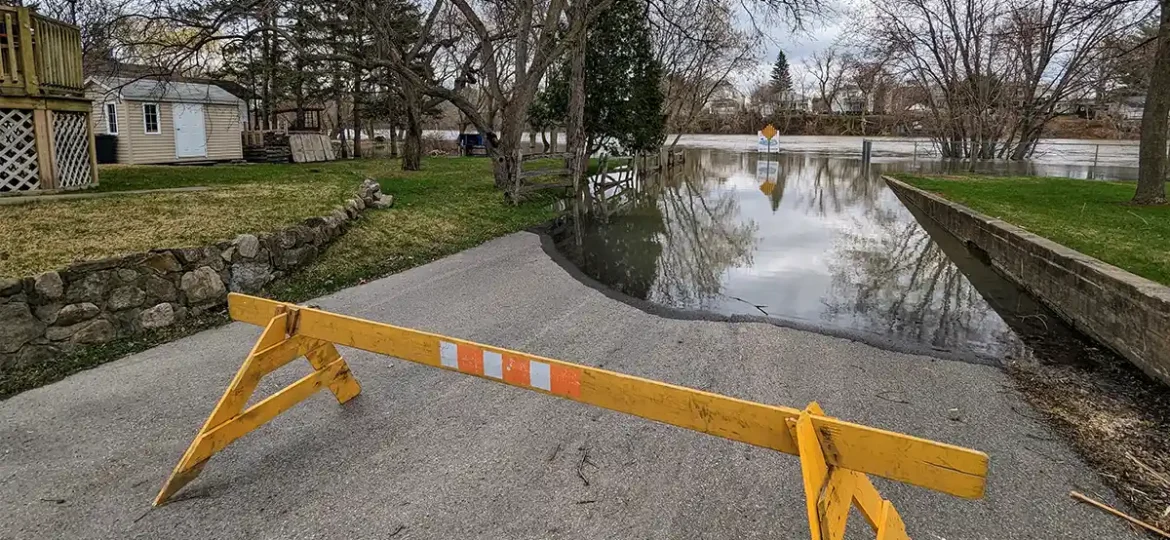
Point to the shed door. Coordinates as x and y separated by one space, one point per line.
190 130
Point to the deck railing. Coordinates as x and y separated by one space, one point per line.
38 55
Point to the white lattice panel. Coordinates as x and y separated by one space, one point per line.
18 151
71 143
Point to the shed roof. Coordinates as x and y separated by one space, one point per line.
142 89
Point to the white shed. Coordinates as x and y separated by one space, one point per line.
164 121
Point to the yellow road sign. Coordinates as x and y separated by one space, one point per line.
769 132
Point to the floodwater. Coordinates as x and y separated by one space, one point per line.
809 240
1072 158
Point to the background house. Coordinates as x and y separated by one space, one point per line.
160 120
725 100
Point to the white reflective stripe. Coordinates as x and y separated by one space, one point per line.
538 373
448 355
493 364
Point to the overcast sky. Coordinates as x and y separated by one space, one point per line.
798 46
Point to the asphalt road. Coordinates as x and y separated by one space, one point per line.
424 453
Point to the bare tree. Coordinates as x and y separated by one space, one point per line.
699 46
992 71
827 68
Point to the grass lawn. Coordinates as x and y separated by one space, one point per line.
1089 216
40 236
448 206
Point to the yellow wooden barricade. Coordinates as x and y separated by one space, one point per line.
835 455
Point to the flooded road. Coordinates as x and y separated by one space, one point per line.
810 240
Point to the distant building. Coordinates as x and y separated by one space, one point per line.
726 100
850 100
793 102
1128 108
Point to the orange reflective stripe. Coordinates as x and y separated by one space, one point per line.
470 359
566 381
516 370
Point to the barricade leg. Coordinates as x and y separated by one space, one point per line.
277 346
831 491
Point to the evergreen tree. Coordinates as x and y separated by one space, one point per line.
623 85
781 78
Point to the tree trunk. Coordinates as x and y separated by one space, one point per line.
412 146
266 98
393 139
577 145
338 125
357 114
1151 186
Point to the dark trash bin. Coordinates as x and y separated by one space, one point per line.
106 147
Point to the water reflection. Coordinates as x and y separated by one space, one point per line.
799 237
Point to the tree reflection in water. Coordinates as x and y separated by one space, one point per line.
893 279
671 240
828 245
703 236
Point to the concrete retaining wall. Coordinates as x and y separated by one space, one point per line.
1125 312
46 316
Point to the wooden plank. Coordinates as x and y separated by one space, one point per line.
344 386
28 61
545 172
52 104
13 73
869 502
814 472
933 465
834 503
891 526
90 139
230 404
280 354
330 155
261 413
43 134
547 155
296 149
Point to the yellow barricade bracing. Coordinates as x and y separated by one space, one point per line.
835 455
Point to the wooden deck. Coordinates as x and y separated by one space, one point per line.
39 57
49 140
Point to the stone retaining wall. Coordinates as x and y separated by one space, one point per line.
45 316
1125 312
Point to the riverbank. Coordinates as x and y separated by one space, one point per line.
1117 417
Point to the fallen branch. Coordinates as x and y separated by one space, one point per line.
1083 498
883 395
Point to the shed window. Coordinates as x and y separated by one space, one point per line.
150 117
112 118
